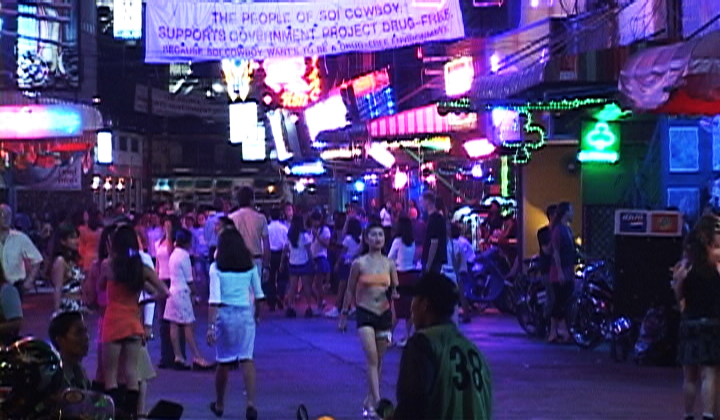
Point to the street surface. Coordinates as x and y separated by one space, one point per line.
310 362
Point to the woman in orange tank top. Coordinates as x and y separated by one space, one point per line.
372 285
124 276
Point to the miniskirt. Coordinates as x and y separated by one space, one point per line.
301 269
699 342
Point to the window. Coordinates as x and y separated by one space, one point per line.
123 144
134 145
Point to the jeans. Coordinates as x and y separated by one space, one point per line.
270 288
167 354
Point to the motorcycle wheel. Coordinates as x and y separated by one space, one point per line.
586 333
525 318
505 303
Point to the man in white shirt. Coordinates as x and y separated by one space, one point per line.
17 251
253 227
278 237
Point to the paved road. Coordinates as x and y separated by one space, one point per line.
308 361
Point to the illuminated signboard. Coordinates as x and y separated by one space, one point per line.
433 143
243 122
104 153
330 114
238 75
40 121
459 75
599 142
253 149
296 80
127 19
370 83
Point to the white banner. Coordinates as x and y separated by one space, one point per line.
166 104
183 30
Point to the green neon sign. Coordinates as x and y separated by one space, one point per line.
599 142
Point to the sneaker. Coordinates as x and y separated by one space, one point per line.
290 313
308 313
332 313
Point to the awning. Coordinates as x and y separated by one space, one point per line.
91 117
682 78
417 121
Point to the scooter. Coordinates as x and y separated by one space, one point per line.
32 381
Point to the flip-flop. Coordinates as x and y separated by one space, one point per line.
553 340
213 408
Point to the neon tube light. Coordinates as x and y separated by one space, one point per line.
479 148
310 168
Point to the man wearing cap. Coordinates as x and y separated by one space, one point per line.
443 375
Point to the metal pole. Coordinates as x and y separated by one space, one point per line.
147 181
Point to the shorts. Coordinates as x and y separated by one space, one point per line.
234 334
322 265
343 273
300 270
380 323
406 280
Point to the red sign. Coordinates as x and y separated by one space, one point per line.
370 83
665 223
297 80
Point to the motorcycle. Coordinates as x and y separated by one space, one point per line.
531 297
488 284
591 320
32 381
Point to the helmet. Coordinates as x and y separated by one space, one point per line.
33 371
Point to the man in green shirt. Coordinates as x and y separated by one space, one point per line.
443 375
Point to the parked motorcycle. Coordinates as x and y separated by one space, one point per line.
488 285
34 387
531 297
591 320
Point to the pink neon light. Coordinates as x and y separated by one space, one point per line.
479 148
39 121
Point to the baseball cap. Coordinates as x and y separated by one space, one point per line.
439 290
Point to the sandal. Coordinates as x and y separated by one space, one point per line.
202 364
553 339
214 409
180 364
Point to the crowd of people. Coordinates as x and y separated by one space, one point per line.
136 271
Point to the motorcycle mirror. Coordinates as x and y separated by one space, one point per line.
302 413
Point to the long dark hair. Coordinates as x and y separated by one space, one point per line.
354 229
700 238
232 253
297 227
103 249
127 265
562 209
176 225
63 233
371 226
405 230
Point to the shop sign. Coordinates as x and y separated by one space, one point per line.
244 122
165 104
666 223
67 176
631 222
459 75
180 30
370 83
599 142
297 80
127 19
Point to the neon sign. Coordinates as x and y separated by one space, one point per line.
370 83
40 121
297 80
599 142
238 75
459 75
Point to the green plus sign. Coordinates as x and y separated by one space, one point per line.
600 138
